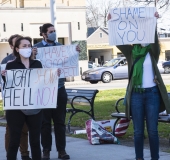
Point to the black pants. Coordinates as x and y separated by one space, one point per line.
58 116
15 120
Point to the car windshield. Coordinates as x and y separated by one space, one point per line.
111 63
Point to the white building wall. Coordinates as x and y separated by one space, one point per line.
33 18
40 3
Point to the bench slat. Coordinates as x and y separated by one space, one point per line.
165 118
80 94
80 91
71 97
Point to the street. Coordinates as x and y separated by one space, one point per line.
115 84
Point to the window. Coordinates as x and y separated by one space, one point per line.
111 63
22 28
78 25
61 40
101 35
4 27
123 62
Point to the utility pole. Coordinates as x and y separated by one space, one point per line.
53 14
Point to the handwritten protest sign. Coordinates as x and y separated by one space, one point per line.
3 66
63 57
132 25
30 89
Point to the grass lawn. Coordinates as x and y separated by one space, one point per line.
1 109
104 106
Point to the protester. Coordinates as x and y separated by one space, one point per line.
17 118
24 134
146 93
57 115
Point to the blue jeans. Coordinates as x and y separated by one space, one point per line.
146 105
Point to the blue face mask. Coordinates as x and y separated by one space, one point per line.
144 44
51 36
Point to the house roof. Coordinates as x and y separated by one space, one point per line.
91 30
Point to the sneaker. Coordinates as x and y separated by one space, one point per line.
26 158
46 155
63 155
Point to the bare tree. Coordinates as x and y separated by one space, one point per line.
97 10
162 5
96 13
92 14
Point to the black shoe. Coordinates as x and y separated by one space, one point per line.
25 158
63 155
46 155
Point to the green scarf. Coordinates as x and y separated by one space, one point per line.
138 52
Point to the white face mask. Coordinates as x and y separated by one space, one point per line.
144 44
25 52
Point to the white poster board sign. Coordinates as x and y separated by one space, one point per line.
132 25
63 57
30 89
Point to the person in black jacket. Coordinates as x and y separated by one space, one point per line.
24 134
17 118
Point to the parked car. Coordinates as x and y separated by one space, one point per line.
91 65
166 66
160 66
114 69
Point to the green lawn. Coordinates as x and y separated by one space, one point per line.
1 109
104 106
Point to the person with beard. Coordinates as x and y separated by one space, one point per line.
58 114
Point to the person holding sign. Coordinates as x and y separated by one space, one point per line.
17 118
24 134
57 115
146 93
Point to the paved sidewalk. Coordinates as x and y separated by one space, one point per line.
80 149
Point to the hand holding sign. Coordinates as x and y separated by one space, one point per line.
63 57
3 73
132 25
30 89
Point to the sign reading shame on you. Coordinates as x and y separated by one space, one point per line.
63 57
132 25
30 89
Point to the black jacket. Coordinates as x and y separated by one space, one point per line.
17 64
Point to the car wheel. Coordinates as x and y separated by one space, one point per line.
106 77
167 70
93 82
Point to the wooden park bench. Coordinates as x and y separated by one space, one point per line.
80 97
118 115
